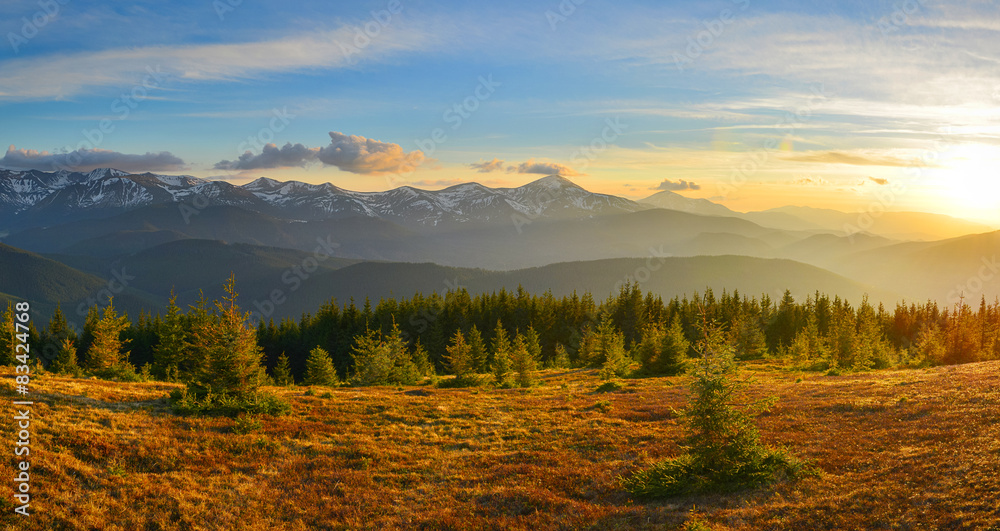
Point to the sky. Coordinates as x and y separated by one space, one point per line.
856 105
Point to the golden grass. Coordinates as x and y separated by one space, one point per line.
914 449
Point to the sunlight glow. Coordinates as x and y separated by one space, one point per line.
970 181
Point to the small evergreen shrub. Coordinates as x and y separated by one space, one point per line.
121 372
245 424
467 380
186 403
608 387
723 448
320 370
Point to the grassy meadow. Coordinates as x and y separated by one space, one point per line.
904 449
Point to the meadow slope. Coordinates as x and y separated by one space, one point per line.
907 449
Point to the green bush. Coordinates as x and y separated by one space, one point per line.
724 452
466 380
608 387
184 402
245 424
122 372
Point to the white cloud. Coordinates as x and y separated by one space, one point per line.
358 154
61 76
487 166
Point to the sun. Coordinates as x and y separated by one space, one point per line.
969 179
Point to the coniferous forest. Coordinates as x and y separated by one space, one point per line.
503 334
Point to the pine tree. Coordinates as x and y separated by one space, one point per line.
319 369
477 349
607 349
841 337
722 439
233 363
87 335
65 361
523 362
962 345
617 362
928 348
459 358
501 357
201 325
808 344
590 353
170 353
533 343
8 337
663 351
722 443
106 348
372 360
53 336
674 351
404 370
871 350
748 338
282 373
422 360
561 359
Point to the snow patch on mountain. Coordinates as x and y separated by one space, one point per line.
69 192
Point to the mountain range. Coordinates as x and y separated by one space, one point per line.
33 198
187 234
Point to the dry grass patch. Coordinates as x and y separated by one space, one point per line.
913 449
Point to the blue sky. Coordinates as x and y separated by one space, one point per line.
755 104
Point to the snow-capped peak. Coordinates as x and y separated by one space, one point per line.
262 183
77 194
101 173
552 182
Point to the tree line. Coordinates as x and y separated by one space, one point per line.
504 336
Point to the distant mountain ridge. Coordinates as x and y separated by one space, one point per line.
34 198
